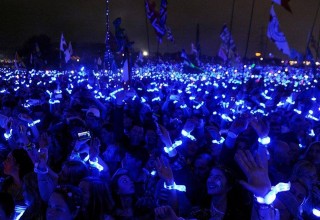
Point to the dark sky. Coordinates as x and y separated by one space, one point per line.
84 21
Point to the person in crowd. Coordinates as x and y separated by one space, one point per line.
97 199
6 206
16 166
64 203
35 205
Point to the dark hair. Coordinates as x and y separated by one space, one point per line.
140 153
100 201
76 171
231 180
25 163
7 204
72 195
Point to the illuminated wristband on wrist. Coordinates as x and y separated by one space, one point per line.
316 212
218 141
96 164
188 135
33 123
36 170
181 188
7 135
169 149
271 196
264 141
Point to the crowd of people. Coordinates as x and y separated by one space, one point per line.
223 143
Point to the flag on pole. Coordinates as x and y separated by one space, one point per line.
153 16
70 49
125 71
276 35
18 63
283 3
228 47
63 43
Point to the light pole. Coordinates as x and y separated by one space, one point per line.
108 57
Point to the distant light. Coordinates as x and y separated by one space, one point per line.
258 54
82 68
145 53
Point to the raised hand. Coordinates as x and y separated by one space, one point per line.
256 170
164 170
260 126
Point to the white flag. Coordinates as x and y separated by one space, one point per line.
125 73
63 44
276 35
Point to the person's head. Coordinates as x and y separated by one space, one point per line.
122 184
135 159
97 198
305 173
136 135
292 140
107 134
313 153
93 118
299 125
280 154
202 165
72 172
31 192
76 125
64 203
220 181
18 163
6 206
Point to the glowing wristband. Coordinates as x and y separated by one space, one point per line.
7 135
218 142
33 123
316 212
169 149
181 188
264 141
96 164
188 135
36 170
271 196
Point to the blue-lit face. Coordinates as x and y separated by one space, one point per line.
217 183
58 208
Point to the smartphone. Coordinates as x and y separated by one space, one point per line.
84 135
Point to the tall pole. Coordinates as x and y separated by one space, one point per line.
108 57
312 27
231 24
249 31
147 28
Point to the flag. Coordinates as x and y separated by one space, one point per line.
283 3
228 47
276 35
31 58
169 35
70 49
67 55
63 44
125 73
223 52
154 18
38 49
18 63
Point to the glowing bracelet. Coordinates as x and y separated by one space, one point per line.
232 135
188 135
96 164
7 135
169 149
271 196
33 123
218 142
181 188
265 140
316 212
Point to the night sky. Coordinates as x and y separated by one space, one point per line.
84 21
